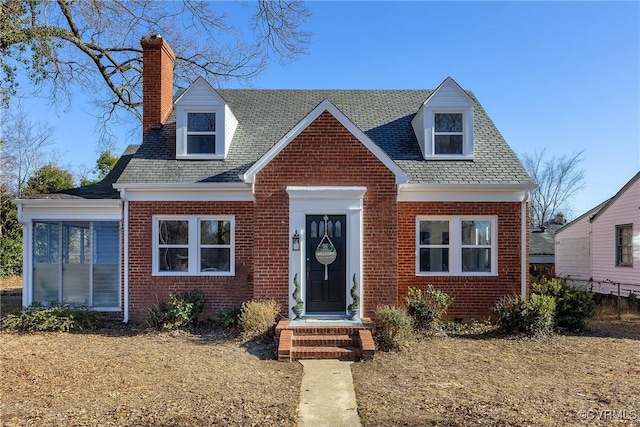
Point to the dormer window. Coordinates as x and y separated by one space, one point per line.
201 133
204 123
448 134
444 123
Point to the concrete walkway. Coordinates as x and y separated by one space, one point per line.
327 397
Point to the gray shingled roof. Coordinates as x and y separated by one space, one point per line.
265 116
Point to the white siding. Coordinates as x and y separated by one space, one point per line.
419 129
230 125
625 209
200 96
572 251
448 97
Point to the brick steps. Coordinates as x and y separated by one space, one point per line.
350 342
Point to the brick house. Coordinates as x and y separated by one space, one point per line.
239 192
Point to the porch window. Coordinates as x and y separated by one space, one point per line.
77 263
624 245
193 246
456 246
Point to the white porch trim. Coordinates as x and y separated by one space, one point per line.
187 192
320 200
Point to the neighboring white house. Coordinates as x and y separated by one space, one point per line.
601 248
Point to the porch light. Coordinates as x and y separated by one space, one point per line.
295 241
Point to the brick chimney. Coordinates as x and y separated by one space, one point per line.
157 81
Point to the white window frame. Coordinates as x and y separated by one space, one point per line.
455 245
619 246
467 133
182 133
193 245
436 133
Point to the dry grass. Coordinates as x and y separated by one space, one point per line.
589 379
124 377
147 379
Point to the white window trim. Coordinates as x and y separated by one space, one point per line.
193 245
455 245
619 228
182 133
467 133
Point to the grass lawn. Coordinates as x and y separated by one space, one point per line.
587 379
126 377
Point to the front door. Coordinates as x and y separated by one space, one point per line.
326 285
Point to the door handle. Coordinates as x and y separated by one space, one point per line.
308 269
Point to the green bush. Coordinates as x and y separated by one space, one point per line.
393 327
573 305
59 318
178 310
230 317
533 316
426 308
258 318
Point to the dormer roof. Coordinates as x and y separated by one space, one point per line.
384 116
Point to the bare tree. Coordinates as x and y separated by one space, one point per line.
24 149
558 179
95 44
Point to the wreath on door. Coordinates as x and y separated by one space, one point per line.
325 251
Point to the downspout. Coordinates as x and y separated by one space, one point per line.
524 272
26 292
125 225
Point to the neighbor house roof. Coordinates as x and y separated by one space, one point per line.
265 117
609 202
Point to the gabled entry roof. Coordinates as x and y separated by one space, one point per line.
325 105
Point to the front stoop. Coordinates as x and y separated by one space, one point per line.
343 342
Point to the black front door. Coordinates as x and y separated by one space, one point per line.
326 287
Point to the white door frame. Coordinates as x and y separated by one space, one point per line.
330 200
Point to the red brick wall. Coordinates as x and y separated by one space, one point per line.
326 154
157 78
473 296
221 292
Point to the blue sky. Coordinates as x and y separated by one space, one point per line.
561 76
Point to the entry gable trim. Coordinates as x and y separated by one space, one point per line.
325 105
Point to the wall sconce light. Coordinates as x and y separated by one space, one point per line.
295 241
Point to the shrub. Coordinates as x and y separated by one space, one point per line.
393 327
426 308
533 316
178 310
258 318
573 305
230 317
59 318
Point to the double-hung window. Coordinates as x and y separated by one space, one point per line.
624 245
456 246
448 135
193 245
201 133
